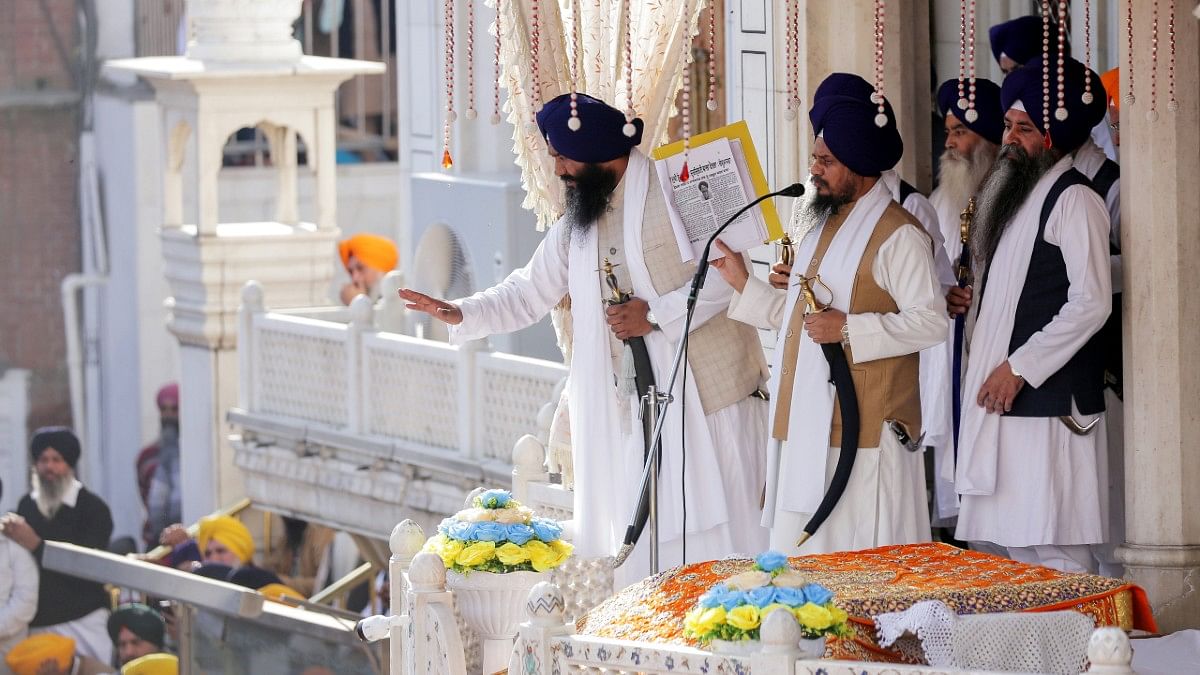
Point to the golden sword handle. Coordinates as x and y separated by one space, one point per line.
965 220
787 250
618 296
811 304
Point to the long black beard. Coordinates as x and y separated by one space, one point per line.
822 206
1002 193
587 199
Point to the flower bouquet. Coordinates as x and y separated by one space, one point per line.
499 535
730 613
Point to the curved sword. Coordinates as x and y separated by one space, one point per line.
963 274
843 384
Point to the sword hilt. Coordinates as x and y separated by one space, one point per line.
622 555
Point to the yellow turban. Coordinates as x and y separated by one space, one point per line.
1112 86
152 664
277 592
27 657
230 532
372 250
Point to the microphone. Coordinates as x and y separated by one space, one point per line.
641 514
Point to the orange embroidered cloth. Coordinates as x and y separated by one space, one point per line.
876 581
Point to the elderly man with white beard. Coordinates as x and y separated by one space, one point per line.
60 508
1031 465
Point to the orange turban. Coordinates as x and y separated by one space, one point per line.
230 532
152 664
277 592
1112 86
27 657
374 251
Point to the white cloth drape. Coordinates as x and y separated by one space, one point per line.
657 73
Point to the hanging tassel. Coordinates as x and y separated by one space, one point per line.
627 379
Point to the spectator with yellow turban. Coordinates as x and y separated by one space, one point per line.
225 540
52 654
153 664
366 257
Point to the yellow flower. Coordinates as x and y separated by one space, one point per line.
448 549
814 617
540 554
691 620
746 617
511 554
839 615
562 550
476 554
772 607
709 619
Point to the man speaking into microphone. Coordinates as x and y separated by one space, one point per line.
615 210
869 267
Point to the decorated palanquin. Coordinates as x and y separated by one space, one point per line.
876 581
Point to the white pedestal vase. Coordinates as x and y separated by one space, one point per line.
494 606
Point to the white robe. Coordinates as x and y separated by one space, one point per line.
1027 481
724 468
885 500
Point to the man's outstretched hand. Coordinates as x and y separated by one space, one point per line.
441 310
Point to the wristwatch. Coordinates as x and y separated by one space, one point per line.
653 322
1014 371
846 333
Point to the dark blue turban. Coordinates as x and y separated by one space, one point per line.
888 146
848 126
990 122
1025 85
61 439
1021 39
252 577
599 138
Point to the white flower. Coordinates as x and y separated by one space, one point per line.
747 580
790 579
476 515
510 516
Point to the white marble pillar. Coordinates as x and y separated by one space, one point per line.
1160 161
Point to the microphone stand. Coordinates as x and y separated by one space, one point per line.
663 398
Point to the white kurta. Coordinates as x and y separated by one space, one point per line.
885 500
724 473
1088 160
1027 481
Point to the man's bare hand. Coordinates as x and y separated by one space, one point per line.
958 300
351 290
998 391
780 275
14 527
732 267
173 535
443 311
825 327
628 319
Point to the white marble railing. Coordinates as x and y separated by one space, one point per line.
395 391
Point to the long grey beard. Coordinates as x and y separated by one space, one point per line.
1002 193
48 495
960 175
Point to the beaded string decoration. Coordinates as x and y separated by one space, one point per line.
972 114
1152 113
1172 103
686 111
1127 76
496 67
792 46
1046 72
470 114
535 39
712 56
962 54
629 130
1087 97
448 16
1061 113
877 97
574 122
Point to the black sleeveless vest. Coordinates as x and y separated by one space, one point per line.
1042 297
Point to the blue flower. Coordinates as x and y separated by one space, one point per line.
495 499
547 530
713 597
489 531
444 526
762 596
731 599
771 561
519 533
792 597
817 594
461 530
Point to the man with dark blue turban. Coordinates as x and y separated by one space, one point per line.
876 268
1017 42
1032 453
615 211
